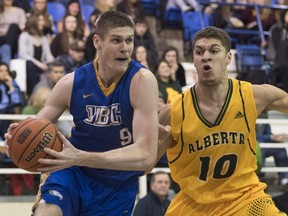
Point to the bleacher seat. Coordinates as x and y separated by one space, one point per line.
57 10
87 10
149 6
172 18
193 21
249 57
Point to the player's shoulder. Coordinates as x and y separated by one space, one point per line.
68 77
144 77
260 89
67 80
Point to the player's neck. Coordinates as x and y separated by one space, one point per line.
212 94
106 75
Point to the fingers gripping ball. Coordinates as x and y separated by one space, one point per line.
28 141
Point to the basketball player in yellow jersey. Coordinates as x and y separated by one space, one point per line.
211 149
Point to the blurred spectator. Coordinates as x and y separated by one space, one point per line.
277 52
41 93
178 72
278 12
133 8
73 8
168 87
66 2
249 18
74 58
144 37
141 55
90 53
11 97
184 5
40 7
62 41
24 4
5 53
229 16
55 72
101 6
209 9
264 134
225 16
34 47
35 104
155 203
12 22
37 101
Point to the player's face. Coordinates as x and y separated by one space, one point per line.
210 60
161 185
115 49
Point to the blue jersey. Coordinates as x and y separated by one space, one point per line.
103 120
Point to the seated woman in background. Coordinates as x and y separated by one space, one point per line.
142 56
40 7
74 9
178 72
168 88
62 41
12 22
34 47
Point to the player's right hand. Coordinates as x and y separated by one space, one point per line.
8 137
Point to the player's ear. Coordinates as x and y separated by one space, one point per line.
229 57
97 41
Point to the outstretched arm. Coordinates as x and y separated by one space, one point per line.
268 97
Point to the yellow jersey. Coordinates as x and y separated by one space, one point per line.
214 162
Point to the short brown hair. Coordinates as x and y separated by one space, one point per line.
112 19
213 32
158 173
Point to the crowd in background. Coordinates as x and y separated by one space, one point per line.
52 49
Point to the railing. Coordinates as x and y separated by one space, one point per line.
143 179
256 7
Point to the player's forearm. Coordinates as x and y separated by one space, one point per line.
128 158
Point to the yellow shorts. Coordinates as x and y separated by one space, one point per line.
252 203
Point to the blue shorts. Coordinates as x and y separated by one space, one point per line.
77 194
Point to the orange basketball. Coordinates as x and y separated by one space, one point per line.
29 139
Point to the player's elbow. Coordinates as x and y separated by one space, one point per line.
149 162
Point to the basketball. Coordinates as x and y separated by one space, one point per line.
28 141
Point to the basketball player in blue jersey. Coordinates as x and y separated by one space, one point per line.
113 101
212 146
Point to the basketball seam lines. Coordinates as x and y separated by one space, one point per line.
30 142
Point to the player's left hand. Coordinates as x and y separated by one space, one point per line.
66 158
